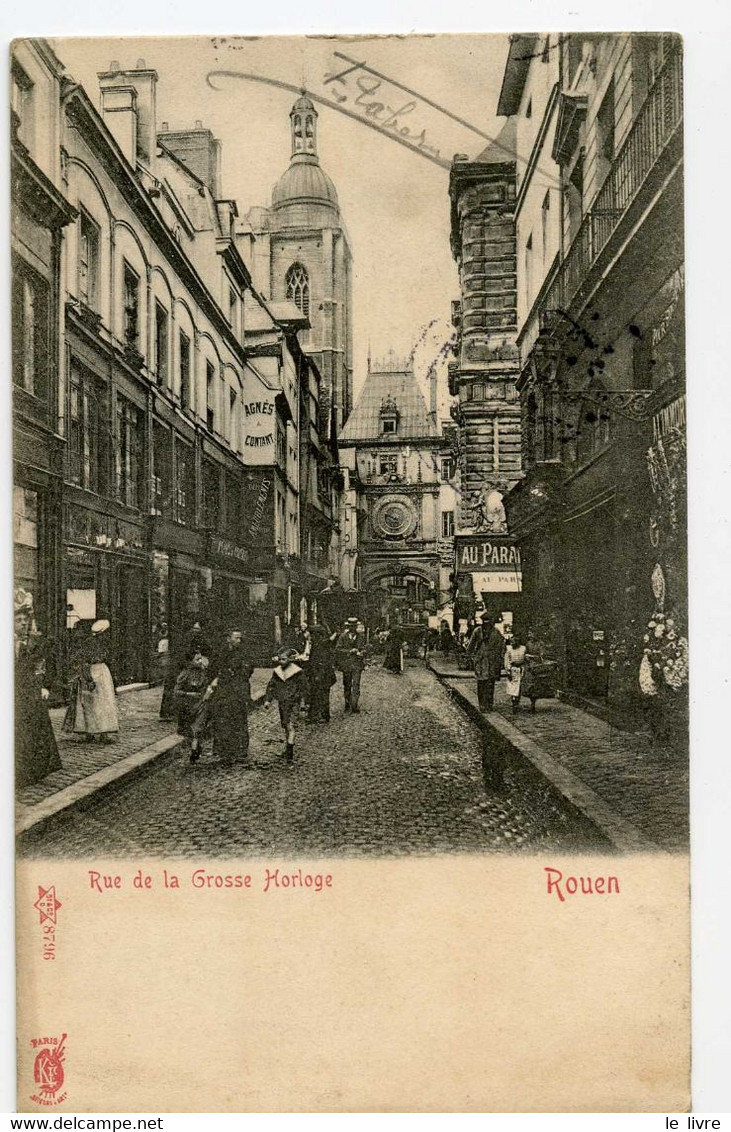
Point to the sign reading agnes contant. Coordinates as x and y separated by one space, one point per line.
259 422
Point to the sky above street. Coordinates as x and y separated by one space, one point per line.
394 201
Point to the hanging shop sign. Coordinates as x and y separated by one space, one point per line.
493 561
498 582
485 553
672 293
669 418
229 552
260 422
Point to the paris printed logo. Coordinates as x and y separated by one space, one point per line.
48 1071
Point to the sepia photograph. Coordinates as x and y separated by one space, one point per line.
349 445
350 591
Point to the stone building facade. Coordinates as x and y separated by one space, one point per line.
151 431
40 215
600 514
482 194
393 449
483 376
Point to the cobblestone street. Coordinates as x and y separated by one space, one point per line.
403 776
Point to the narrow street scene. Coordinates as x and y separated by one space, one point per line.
404 775
350 572
319 549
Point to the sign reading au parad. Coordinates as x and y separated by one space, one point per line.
493 560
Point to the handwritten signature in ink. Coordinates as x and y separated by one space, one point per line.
355 86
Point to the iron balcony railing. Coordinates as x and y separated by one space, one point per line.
658 119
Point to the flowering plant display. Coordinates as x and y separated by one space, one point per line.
665 655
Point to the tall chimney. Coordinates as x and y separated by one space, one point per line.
129 106
199 151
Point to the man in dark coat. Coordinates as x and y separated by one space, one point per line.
487 649
349 653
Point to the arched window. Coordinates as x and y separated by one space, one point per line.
298 287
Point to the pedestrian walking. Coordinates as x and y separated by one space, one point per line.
181 654
161 658
93 708
446 639
394 659
229 695
36 752
191 707
303 644
515 655
288 687
320 674
350 658
487 649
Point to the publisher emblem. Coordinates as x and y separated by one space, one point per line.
48 1071
47 904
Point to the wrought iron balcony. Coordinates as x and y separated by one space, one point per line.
656 123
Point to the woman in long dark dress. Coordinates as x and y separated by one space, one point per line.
36 753
394 659
230 697
320 673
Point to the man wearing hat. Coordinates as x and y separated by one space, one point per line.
288 686
349 653
487 649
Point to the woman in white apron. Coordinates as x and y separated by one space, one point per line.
94 711
515 663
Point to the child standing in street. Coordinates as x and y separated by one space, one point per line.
191 708
288 686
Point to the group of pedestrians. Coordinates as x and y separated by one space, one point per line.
494 652
211 694
206 690
92 709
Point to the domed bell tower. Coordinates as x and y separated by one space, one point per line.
303 117
310 259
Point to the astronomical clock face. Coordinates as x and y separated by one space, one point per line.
394 517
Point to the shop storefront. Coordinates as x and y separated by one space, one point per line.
180 583
587 554
106 568
228 598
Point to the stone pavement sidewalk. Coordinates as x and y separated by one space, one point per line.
88 767
637 792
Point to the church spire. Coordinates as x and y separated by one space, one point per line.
303 117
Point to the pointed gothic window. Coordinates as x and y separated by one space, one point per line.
298 287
